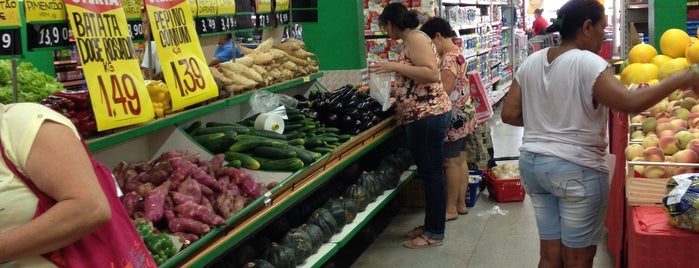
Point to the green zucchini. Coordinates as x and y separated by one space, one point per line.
208 130
306 128
235 163
294 135
298 141
344 137
208 137
287 164
217 124
273 152
306 156
322 149
246 161
193 127
292 126
329 130
314 142
266 134
295 117
327 139
249 144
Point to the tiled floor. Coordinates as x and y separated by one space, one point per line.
474 240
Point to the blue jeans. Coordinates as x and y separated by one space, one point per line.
425 139
569 200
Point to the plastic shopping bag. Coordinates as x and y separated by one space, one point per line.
380 89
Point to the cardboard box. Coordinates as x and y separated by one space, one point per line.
484 110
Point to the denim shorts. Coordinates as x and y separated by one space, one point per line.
452 149
570 201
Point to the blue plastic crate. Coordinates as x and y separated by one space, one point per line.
474 182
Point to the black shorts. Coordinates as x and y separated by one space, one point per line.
452 149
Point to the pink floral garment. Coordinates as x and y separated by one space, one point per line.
413 100
462 123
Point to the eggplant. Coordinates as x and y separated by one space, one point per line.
351 111
364 105
310 113
336 106
300 97
332 119
347 120
303 104
319 105
367 125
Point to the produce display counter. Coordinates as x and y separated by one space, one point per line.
340 239
127 133
289 192
653 242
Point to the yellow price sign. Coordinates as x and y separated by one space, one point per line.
44 10
207 8
281 5
226 7
117 90
10 14
263 6
182 59
132 8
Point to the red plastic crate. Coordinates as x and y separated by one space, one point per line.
504 190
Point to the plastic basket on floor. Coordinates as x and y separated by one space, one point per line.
474 182
504 190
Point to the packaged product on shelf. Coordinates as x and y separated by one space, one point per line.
425 12
377 49
372 20
452 15
394 49
377 4
682 200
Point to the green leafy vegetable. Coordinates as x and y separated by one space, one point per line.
33 85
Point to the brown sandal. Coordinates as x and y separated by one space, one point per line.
415 243
415 232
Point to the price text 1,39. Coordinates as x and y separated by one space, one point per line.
188 76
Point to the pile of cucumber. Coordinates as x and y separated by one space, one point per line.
304 140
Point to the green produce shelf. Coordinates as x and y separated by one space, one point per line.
289 192
328 250
131 132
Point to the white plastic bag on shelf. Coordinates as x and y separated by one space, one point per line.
263 101
380 89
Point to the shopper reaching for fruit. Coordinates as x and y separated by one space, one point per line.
53 200
562 95
453 73
424 110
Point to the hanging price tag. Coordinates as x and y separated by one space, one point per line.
263 12
10 42
206 21
37 11
226 15
182 59
53 35
244 15
132 10
117 90
282 11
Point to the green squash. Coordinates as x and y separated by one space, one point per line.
314 233
258 263
338 211
350 207
280 256
300 242
388 176
325 221
358 195
370 181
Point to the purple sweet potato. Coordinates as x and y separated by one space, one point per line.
205 190
166 156
214 164
191 188
249 186
190 238
224 203
202 177
235 174
157 177
169 215
142 166
154 204
145 189
182 170
188 225
120 173
239 203
180 198
132 202
205 201
199 212
133 182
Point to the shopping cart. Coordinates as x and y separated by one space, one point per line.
540 42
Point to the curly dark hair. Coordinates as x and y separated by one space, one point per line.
438 25
399 16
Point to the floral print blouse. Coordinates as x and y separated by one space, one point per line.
462 123
413 100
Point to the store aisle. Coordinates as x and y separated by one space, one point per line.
473 240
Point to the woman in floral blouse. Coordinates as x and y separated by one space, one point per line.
453 71
424 109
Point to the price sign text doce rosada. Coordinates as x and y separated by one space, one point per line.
117 90
185 70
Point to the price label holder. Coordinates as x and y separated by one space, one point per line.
48 35
135 27
282 12
10 42
263 14
132 10
304 11
10 35
117 90
205 19
226 15
181 57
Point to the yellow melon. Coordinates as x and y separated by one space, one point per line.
692 53
642 53
674 42
693 40
637 73
660 60
672 66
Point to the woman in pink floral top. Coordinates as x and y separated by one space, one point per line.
453 70
424 110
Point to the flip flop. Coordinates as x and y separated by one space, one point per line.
415 232
412 244
463 213
454 218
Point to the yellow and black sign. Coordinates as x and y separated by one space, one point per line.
10 35
182 59
117 91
